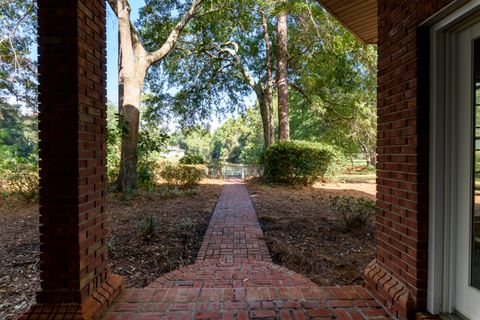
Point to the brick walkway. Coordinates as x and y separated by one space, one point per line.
234 278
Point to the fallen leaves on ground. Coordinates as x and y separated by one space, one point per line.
180 225
305 235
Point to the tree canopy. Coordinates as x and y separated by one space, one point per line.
331 74
18 70
237 140
210 58
334 84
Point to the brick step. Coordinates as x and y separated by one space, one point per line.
232 275
178 294
248 303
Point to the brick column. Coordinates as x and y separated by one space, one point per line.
398 275
75 279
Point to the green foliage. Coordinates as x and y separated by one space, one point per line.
192 159
215 168
20 176
195 141
192 101
239 140
150 142
18 70
146 174
18 132
183 175
117 127
332 75
301 162
333 96
18 152
353 212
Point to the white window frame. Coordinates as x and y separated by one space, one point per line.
442 223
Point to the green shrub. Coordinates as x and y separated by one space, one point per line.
117 128
146 174
215 169
192 159
183 175
353 212
21 177
301 162
113 163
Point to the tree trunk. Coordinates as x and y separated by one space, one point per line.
282 73
130 110
373 159
269 87
261 97
264 113
271 120
134 62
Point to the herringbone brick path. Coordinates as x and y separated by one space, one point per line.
233 278
234 233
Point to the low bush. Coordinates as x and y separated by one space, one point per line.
192 159
302 162
183 175
113 165
117 127
21 177
146 174
353 212
215 169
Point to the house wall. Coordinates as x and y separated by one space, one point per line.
398 275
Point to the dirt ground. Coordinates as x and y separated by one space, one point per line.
180 223
302 233
305 235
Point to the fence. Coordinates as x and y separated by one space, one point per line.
232 170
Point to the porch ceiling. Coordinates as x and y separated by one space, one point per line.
358 16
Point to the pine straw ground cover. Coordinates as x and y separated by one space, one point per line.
180 223
305 235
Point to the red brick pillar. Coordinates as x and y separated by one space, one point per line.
75 279
398 275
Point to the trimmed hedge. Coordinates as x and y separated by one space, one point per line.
302 162
21 177
183 175
192 159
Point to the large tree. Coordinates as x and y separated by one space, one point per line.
333 83
282 72
263 87
134 62
267 111
225 57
